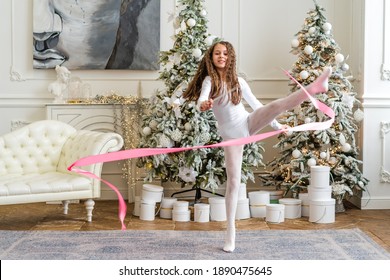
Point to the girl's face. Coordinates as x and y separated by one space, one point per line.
220 56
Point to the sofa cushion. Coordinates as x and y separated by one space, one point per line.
51 182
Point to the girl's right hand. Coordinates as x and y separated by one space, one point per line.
206 105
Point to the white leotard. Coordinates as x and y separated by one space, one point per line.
232 119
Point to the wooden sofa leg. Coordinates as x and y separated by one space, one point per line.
89 205
65 204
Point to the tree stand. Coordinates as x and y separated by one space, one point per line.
198 193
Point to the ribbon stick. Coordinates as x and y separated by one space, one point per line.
144 152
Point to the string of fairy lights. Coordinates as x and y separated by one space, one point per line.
128 112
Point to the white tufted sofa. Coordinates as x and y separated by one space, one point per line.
34 161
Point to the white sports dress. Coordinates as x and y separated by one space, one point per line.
232 119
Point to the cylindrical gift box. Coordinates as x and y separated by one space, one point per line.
305 204
257 203
243 209
181 216
201 212
217 209
152 192
242 192
292 207
167 207
322 211
319 193
180 205
148 208
274 213
319 176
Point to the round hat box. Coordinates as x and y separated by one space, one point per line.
217 208
274 213
152 192
292 207
202 212
322 211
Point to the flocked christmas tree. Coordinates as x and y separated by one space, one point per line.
170 121
335 147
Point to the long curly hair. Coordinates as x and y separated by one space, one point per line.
207 68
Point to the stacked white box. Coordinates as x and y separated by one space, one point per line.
257 203
322 205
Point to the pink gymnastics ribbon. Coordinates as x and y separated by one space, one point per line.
144 152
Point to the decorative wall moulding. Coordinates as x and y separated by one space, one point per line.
386 42
385 174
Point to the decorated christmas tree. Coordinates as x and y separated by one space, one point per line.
335 147
170 121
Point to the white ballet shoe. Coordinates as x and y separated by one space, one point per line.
230 240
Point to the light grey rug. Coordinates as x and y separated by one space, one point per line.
344 244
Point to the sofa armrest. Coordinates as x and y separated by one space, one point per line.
87 143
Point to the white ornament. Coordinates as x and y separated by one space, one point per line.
146 130
323 155
304 74
358 115
361 184
191 22
294 43
308 50
311 162
210 39
348 100
345 67
197 53
203 13
327 26
296 154
332 160
339 58
307 120
312 30
188 126
346 148
153 124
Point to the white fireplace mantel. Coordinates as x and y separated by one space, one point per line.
99 117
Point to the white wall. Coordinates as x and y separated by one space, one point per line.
261 31
376 88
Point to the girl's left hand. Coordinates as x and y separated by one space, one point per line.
206 105
285 127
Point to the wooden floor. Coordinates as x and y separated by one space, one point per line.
41 216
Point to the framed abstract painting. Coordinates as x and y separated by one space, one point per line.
100 34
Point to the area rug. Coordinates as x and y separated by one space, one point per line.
343 244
